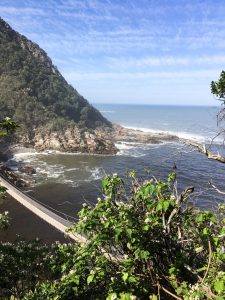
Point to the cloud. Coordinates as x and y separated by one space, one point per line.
172 76
130 26
22 10
164 61
120 41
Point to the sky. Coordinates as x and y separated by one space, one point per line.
129 51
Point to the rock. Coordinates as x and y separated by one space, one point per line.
27 170
14 179
3 156
100 140
122 134
73 139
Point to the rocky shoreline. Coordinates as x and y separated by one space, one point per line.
122 134
102 140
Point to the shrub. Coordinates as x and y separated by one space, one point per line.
144 242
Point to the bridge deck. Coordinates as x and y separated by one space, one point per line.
47 215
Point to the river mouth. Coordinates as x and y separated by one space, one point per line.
66 181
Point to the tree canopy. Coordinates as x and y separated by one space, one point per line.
218 87
32 90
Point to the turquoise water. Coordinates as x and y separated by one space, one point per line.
65 181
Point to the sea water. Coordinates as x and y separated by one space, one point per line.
65 181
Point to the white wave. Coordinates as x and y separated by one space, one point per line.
180 134
96 173
132 152
107 111
71 169
53 175
24 156
69 182
123 146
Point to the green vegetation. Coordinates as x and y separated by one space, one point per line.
22 266
218 87
144 243
33 92
7 126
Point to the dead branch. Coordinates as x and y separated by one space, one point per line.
209 261
216 188
202 148
171 294
179 200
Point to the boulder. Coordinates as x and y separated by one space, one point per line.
27 170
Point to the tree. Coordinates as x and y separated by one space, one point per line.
218 87
6 126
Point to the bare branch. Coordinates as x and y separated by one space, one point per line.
215 188
209 261
171 294
202 148
179 200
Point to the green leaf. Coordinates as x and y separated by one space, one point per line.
219 286
125 276
125 296
205 231
90 278
132 279
200 218
166 204
179 290
149 189
159 206
173 271
129 246
112 296
145 228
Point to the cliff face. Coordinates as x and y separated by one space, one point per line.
73 139
50 112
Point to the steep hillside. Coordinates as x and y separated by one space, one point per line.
35 94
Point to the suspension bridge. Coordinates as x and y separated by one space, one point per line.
41 210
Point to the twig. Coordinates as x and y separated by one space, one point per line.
179 200
202 148
171 294
209 261
215 188
209 292
158 285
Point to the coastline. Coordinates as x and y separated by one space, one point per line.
121 137
116 135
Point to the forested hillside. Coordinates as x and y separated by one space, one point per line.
33 92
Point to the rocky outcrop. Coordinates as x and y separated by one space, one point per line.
122 134
73 139
13 178
27 170
101 140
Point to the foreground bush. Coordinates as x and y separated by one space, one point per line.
22 266
144 243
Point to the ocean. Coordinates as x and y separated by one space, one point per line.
65 181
